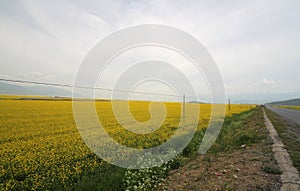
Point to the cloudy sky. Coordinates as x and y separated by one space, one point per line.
254 43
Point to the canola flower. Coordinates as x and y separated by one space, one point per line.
41 147
290 107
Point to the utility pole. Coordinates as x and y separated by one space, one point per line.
183 106
229 104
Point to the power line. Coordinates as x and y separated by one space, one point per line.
83 87
97 88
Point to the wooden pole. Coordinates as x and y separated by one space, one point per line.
183 106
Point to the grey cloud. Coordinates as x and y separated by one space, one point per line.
250 41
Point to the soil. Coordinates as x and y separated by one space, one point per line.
250 167
243 169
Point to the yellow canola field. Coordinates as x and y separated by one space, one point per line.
291 107
41 146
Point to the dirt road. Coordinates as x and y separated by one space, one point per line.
291 115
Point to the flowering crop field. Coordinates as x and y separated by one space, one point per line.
290 107
41 148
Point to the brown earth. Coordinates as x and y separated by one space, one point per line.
249 167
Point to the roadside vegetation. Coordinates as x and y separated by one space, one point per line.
240 159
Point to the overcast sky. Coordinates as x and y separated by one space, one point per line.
254 43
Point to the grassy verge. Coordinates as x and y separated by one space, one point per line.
236 133
289 134
240 159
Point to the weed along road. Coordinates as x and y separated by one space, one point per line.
291 115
